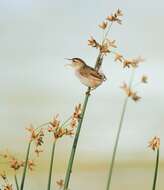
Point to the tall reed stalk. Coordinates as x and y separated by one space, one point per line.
104 48
156 170
25 165
118 134
16 182
74 146
71 160
51 165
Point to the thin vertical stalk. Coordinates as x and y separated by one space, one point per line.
71 160
51 165
16 181
156 170
25 166
98 64
116 143
118 134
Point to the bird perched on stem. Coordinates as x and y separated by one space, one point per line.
88 76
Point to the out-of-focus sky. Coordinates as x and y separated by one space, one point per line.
36 36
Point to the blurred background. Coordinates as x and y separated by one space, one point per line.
35 37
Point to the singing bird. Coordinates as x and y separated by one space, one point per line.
86 74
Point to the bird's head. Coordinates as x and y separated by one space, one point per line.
76 63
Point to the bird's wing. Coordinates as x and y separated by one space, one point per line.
92 73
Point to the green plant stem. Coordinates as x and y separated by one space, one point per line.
71 160
118 134
51 165
156 170
25 165
74 146
116 143
16 181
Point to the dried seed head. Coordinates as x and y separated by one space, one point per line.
144 79
103 25
115 17
60 183
31 165
154 144
107 45
36 136
8 187
3 175
130 93
126 89
38 151
16 164
93 43
118 57
132 62
104 49
135 97
77 112
75 116
119 12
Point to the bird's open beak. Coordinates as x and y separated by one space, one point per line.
70 64
68 59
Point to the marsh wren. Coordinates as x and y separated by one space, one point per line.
86 74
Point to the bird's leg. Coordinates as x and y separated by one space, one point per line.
88 91
94 88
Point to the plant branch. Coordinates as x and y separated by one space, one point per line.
118 134
71 160
25 166
98 64
156 170
51 165
16 182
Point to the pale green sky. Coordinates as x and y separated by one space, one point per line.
36 36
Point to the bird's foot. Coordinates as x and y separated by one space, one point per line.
88 91
93 88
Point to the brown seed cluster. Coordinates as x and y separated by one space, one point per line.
130 90
60 183
3 175
6 185
115 17
15 163
75 116
144 79
57 129
105 48
103 25
128 63
31 165
154 144
130 93
93 43
36 136
107 44
67 129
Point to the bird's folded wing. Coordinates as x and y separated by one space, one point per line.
91 73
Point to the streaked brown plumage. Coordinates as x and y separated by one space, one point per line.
87 75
